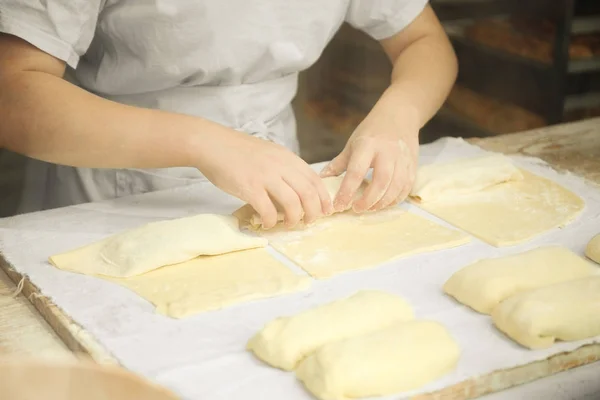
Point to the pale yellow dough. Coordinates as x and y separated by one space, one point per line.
592 249
350 242
446 181
485 283
285 341
213 282
502 207
565 311
401 357
157 244
248 217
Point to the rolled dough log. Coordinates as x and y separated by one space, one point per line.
249 217
485 283
566 311
347 242
285 341
157 244
501 207
437 182
401 357
212 282
592 249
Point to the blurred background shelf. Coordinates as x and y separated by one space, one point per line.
523 64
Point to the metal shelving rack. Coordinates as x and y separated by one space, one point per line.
547 89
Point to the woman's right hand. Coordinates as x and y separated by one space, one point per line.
267 176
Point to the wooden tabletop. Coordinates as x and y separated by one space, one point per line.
573 147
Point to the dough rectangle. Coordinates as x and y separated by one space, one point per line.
443 181
285 341
401 357
512 212
566 311
154 245
485 283
351 242
212 282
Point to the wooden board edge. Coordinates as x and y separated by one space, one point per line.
75 337
499 380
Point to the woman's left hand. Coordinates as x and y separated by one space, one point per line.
388 142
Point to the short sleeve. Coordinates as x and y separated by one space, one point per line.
382 19
61 28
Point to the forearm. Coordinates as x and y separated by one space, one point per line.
423 74
47 118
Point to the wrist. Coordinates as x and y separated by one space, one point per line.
396 100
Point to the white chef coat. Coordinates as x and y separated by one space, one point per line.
235 62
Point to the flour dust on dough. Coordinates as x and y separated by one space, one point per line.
485 283
347 241
285 341
213 282
592 250
501 207
401 357
250 218
157 244
565 311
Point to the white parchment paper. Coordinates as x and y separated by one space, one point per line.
204 357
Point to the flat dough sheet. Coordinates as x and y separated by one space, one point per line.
347 241
212 282
510 213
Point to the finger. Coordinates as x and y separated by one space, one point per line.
397 185
264 206
405 192
308 195
337 165
358 166
383 173
322 192
288 201
411 176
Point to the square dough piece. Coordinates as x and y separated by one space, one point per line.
566 311
347 241
285 341
512 212
401 357
212 282
485 283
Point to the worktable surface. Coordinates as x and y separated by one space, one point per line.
574 147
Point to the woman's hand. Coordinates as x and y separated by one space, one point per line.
387 141
265 174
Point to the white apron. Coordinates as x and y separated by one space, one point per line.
235 62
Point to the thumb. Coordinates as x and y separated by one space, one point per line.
337 166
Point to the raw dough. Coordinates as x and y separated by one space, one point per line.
401 357
347 242
213 282
484 284
565 311
284 342
446 181
157 244
249 217
502 214
592 249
